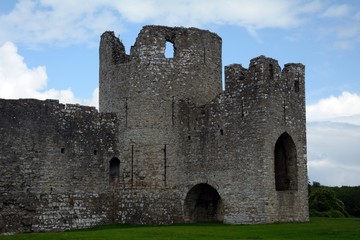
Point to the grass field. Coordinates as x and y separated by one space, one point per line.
317 228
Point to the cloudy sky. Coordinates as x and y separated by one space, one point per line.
49 49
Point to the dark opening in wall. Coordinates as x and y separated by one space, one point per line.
95 152
221 131
114 169
169 49
271 71
203 204
296 86
62 150
285 163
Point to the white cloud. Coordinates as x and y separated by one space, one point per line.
333 174
333 137
56 22
17 80
337 11
94 100
253 14
331 108
66 22
333 153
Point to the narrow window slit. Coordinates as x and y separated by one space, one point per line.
284 108
126 112
242 110
169 49
132 165
165 163
173 111
204 56
271 71
296 86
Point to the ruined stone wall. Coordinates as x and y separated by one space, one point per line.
272 105
53 165
230 142
145 90
167 146
178 130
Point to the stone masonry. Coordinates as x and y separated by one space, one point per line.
168 144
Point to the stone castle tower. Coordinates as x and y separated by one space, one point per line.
168 145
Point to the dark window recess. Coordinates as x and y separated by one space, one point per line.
132 165
242 110
284 108
189 137
62 150
173 111
114 169
221 131
285 163
296 86
169 49
165 165
95 152
271 71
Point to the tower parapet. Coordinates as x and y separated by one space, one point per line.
194 71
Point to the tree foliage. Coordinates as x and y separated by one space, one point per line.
323 202
350 196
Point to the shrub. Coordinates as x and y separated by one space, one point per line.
323 203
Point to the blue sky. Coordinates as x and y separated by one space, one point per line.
49 49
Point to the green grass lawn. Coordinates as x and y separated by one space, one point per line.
317 228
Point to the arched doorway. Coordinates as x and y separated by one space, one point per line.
203 204
285 163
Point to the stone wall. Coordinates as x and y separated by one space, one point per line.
168 145
54 164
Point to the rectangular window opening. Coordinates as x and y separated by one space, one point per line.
296 86
169 49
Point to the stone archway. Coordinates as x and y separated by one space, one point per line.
285 159
203 204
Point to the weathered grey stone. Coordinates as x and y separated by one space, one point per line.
167 146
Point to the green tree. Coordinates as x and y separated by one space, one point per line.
350 196
324 203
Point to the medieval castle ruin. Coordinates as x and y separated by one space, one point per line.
168 144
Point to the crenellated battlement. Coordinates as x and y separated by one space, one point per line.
265 72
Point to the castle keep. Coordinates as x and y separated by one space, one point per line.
168 144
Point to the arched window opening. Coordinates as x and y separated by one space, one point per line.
203 204
114 169
285 163
169 49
